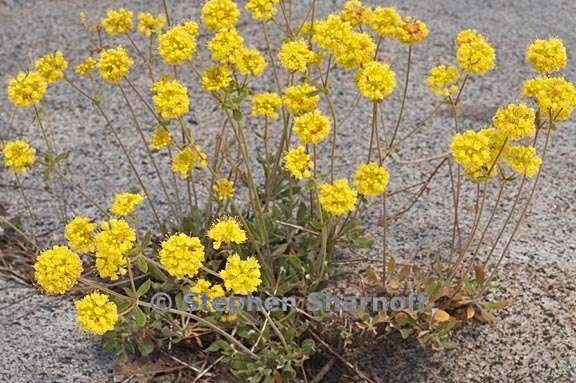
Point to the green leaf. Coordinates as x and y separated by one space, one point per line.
146 347
141 264
139 316
144 288
237 115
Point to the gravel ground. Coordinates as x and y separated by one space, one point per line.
533 340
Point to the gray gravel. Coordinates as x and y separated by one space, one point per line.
533 340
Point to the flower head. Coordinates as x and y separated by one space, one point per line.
51 66
356 50
188 159
337 198
117 22
476 57
298 163
524 160
226 230
312 127
249 61
148 24
160 138
96 313
125 203
114 64
385 22
205 288
224 189
57 269
18 156
479 152
376 81
516 121
178 44
113 242
220 14
225 46
296 56
355 13
216 78
442 80
370 179
468 36
332 33
241 277
79 233
182 255
170 98
412 31
262 10
265 104
555 96
547 56
86 66
26 89
300 99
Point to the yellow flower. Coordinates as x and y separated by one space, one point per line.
412 31
216 78
376 81
178 44
468 36
471 149
148 24
555 96
226 230
371 179
296 56
170 98
26 89
262 10
265 104
241 277
547 56
442 80
332 33
51 66
298 163
18 156
523 160
516 121
225 46
160 138
57 269
312 127
249 61
498 144
182 255
219 14
79 233
385 22
113 242
205 288
476 57
86 67
356 50
114 64
224 189
125 203
96 313
117 22
300 98
187 159
337 198
355 13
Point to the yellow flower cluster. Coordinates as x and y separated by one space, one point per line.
57 269
300 99
225 46
331 34
86 66
26 89
474 54
265 104
412 31
355 13
220 14
216 78
370 179
182 255
376 81
160 138
51 66
79 233
516 121
187 159
298 163
547 56
226 230
224 189
113 242
170 98
262 10
125 203
117 22
296 56
178 44
18 156
479 152
241 276
249 61
203 287
523 160
337 198
555 96
148 24
442 80
385 22
312 127
357 49
96 313
114 64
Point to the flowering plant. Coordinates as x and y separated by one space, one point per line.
276 209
